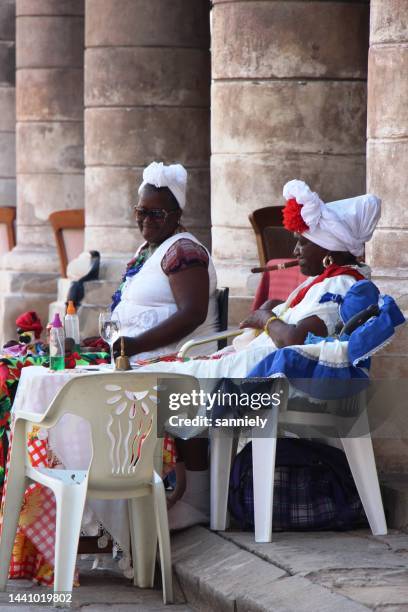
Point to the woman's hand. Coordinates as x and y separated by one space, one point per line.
130 346
256 319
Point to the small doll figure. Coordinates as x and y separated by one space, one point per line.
29 330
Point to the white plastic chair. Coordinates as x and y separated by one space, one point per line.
357 447
121 409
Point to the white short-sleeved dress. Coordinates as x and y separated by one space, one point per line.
147 298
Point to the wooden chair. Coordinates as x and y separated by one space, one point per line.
68 226
272 240
7 228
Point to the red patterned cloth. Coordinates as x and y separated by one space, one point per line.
38 515
42 531
38 451
97 343
33 551
277 285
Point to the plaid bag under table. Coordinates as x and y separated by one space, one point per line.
315 490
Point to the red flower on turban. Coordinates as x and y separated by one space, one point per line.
292 218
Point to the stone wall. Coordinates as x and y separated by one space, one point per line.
49 150
7 104
288 101
147 79
147 98
387 155
49 115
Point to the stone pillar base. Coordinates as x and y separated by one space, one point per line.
22 291
23 287
97 294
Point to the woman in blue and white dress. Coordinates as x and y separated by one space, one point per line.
330 243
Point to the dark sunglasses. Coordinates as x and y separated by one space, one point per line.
158 214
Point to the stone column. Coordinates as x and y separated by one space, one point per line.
49 105
147 90
7 104
288 101
387 162
387 146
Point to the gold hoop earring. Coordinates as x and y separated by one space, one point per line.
327 261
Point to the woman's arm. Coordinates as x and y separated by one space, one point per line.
190 288
284 334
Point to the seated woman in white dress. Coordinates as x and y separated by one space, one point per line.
167 294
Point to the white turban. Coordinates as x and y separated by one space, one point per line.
343 225
174 177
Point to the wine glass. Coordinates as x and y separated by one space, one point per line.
109 330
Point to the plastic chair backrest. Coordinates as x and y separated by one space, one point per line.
222 301
272 240
68 226
121 408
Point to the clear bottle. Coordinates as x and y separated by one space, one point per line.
57 344
71 324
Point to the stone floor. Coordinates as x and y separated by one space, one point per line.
101 590
298 572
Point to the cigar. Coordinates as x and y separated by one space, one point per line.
281 266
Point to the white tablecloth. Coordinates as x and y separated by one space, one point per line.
70 440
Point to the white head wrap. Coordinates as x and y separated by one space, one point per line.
174 177
343 225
